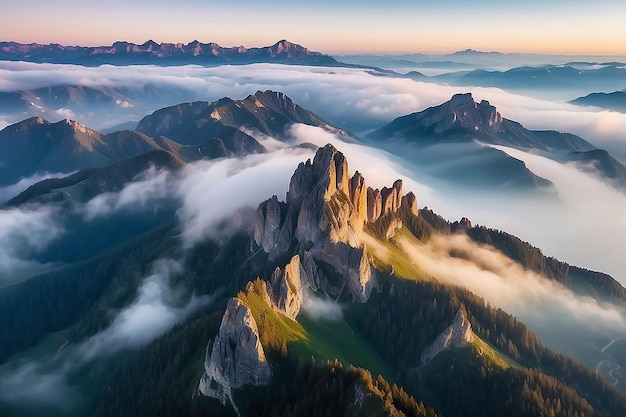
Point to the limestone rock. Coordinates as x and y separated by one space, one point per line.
351 264
269 221
374 204
288 285
358 198
325 214
409 201
391 198
462 111
394 225
459 334
489 114
237 357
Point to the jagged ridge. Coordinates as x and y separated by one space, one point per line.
314 239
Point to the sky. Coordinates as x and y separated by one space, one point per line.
396 26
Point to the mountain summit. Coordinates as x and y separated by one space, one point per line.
462 119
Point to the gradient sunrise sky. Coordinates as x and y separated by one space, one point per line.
351 26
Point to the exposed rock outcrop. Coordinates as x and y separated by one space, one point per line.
288 284
461 225
459 334
237 357
316 235
325 214
268 225
410 202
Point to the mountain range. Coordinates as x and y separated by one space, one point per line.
339 299
568 77
150 52
189 131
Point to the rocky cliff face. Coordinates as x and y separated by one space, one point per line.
325 213
237 357
457 335
288 284
313 242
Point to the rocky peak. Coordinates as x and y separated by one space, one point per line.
325 214
237 357
288 284
461 111
489 114
471 115
409 201
272 99
461 225
458 334
284 47
320 192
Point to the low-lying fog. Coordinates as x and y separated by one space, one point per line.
354 99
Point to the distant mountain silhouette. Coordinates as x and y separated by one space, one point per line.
611 101
150 52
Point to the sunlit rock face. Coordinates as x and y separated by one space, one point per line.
288 284
459 334
237 357
321 223
325 213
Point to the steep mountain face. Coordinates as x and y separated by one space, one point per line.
237 358
459 334
124 53
267 112
333 240
314 241
189 131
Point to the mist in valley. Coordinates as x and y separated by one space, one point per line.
582 224
354 99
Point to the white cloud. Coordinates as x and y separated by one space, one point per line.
146 187
213 190
351 98
156 309
46 381
10 191
317 308
24 232
545 306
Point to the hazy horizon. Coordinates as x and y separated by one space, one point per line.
399 26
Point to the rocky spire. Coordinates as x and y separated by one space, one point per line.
324 214
458 334
321 221
237 357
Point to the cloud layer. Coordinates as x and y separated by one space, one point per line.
24 232
554 312
155 310
354 99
